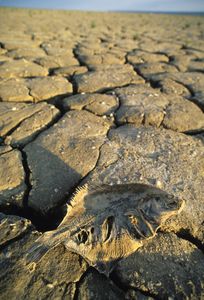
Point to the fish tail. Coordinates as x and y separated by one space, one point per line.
40 247
36 252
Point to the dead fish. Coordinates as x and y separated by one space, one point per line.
107 223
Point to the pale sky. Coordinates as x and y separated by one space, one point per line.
130 5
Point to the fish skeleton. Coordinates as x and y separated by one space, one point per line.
106 223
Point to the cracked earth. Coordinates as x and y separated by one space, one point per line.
105 99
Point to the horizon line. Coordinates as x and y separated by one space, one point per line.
110 10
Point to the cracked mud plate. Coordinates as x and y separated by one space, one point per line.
105 224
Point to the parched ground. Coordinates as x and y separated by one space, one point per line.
102 98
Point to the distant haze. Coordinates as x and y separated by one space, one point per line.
105 5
